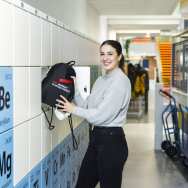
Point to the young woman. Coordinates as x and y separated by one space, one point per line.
106 109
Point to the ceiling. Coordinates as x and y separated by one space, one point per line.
138 14
143 22
134 7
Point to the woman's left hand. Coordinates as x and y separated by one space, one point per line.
64 105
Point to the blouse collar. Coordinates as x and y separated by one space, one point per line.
111 73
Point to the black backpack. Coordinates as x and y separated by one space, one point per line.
59 81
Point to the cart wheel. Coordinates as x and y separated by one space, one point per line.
171 151
165 144
185 162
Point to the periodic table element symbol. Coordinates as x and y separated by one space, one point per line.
6 159
6 98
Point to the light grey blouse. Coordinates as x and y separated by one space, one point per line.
108 102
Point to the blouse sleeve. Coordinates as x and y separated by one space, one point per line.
79 101
115 98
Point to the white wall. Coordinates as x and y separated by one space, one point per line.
142 49
32 43
93 22
78 14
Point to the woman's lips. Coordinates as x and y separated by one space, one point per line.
106 63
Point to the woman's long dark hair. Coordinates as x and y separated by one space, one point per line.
115 44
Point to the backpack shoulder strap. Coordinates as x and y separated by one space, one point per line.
50 126
74 141
71 63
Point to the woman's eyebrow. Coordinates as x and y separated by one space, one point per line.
107 52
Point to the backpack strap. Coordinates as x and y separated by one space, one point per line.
74 141
50 127
71 63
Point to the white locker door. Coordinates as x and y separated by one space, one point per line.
21 37
83 80
46 44
35 40
6 34
21 152
21 94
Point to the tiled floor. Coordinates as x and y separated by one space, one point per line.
146 168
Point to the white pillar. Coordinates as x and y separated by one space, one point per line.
103 28
159 107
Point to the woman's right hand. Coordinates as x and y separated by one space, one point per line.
64 105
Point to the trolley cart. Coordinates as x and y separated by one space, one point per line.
184 136
171 144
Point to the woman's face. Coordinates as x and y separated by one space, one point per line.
109 57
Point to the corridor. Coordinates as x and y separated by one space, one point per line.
146 168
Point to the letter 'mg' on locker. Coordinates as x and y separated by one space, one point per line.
6 159
5 164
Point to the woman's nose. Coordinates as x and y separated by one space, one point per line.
105 57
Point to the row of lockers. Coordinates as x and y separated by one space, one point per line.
30 143
28 40
29 44
26 91
26 94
